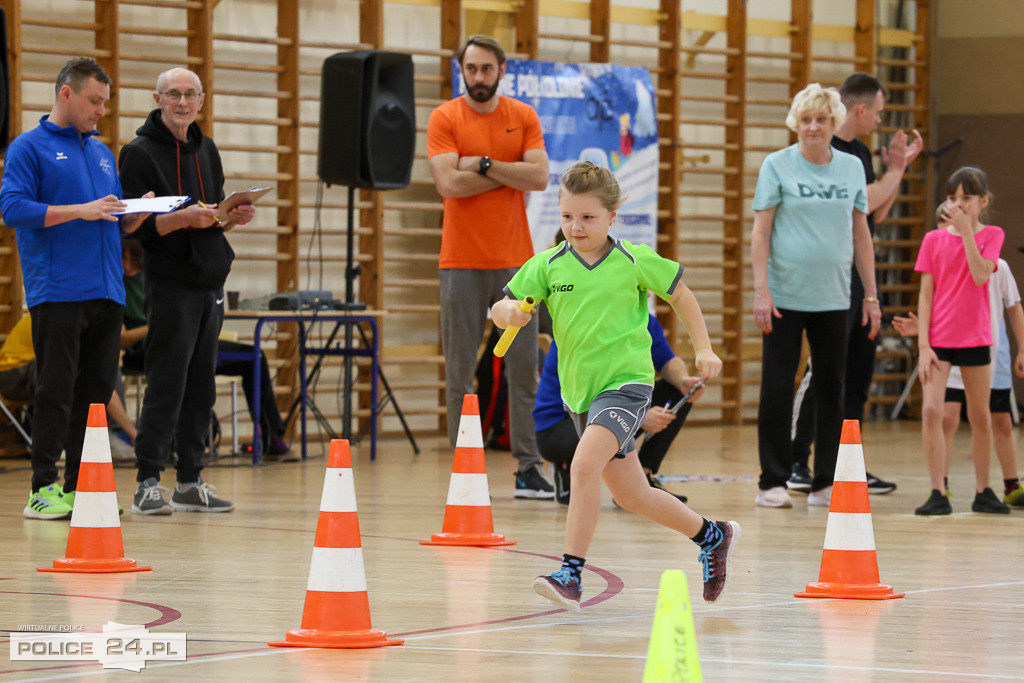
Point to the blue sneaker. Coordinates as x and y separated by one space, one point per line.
716 561
533 484
561 588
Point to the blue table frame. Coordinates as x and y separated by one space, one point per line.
305 319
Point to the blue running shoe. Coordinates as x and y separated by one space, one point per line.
561 588
716 561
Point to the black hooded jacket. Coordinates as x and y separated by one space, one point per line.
157 161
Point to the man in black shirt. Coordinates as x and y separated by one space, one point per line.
186 258
864 98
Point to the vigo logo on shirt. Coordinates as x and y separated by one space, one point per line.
833 191
561 288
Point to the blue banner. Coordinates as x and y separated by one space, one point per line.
595 112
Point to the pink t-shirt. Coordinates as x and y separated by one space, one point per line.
960 309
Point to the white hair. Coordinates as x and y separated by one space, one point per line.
814 99
161 80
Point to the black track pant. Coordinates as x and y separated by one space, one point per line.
76 345
181 354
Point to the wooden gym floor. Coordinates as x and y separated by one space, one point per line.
232 582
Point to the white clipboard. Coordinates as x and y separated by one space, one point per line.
151 205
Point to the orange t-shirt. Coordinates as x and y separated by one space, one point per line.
489 230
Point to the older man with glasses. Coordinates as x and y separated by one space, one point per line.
186 259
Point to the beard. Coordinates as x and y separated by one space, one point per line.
481 93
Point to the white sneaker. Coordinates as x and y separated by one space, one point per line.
775 497
821 499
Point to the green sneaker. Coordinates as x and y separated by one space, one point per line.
48 503
1015 497
69 498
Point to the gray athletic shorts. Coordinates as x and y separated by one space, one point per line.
621 410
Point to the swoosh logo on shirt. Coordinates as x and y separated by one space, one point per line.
220 301
509 130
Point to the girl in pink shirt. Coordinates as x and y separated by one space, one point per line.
955 262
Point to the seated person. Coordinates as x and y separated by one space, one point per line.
18 383
133 334
556 434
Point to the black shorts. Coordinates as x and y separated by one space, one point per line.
968 357
998 402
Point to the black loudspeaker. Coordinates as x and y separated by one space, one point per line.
367 120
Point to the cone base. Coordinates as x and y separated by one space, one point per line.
849 591
463 539
85 566
311 637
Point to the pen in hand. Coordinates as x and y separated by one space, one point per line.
216 221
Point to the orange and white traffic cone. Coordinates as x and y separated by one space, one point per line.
849 564
95 545
337 609
467 517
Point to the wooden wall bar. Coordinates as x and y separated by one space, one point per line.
722 84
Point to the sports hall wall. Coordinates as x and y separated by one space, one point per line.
724 73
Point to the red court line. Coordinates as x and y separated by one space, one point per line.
168 614
613 587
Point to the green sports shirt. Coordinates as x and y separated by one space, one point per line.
599 314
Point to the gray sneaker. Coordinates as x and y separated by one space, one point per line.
200 499
149 500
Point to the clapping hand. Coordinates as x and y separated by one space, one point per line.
900 154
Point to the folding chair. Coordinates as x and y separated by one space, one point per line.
14 421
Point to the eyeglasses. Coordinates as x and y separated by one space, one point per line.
191 96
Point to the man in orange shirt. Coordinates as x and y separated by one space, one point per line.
485 151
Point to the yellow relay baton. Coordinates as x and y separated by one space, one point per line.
526 305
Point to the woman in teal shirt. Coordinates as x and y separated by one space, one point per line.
810 227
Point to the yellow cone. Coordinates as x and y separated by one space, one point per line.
672 654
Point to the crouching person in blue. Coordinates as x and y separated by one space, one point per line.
61 193
556 433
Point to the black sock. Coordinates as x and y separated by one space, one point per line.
709 535
1011 484
574 565
945 485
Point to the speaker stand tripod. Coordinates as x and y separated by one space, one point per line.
352 271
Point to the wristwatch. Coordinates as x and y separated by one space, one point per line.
485 165
870 300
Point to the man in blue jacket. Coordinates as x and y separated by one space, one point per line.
60 192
